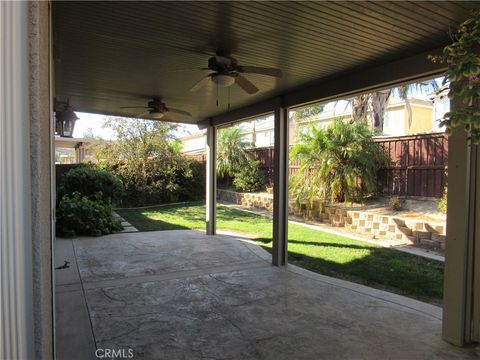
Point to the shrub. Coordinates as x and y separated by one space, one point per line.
249 177
395 203
442 204
165 179
147 159
77 214
93 183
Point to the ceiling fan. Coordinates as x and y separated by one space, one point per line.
156 109
227 71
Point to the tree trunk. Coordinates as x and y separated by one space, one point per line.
379 106
360 108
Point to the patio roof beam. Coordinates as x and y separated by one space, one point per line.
414 68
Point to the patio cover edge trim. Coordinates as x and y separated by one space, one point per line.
400 71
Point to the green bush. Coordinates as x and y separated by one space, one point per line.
395 203
249 177
77 214
166 179
96 184
442 204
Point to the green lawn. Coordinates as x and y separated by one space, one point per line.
315 250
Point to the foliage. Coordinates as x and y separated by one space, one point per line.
96 184
88 133
307 112
442 204
395 203
371 107
147 159
334 160
231 151
250 177
462 58
77 214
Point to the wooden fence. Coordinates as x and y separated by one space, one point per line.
417 164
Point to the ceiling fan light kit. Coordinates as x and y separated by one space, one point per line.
223 80
227 71
157 115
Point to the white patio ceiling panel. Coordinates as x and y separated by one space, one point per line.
113 54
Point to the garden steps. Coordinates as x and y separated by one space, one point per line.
127 227
387 227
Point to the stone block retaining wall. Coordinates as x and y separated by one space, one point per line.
421 233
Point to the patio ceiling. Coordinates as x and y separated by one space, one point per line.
113 54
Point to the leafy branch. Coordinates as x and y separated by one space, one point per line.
462 58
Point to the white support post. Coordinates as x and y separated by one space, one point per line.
16 284
461 303
280 189
211 181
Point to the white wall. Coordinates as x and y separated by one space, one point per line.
16 285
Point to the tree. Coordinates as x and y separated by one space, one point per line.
371 107
146 156
88 133
337 163
307 112
231 151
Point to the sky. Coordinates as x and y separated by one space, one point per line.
95 123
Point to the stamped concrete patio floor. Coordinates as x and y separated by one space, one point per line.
184 295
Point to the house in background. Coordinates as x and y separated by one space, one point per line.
194 144
402 117
73 150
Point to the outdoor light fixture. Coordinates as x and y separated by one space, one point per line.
223 80
65 121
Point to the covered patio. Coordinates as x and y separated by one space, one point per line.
185 295
177 296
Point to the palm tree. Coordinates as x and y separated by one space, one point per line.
337 163
377 102
231 151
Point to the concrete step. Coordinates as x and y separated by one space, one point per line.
403 230
439 238
431 244
426 235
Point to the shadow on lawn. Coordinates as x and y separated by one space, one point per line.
145 223
379 269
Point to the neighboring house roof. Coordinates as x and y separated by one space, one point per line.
72 143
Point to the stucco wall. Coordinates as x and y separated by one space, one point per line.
41 182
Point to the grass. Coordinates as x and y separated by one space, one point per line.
321 252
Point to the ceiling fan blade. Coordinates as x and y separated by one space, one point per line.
201 83
245 84
260 70
177 111
134 107
143 114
